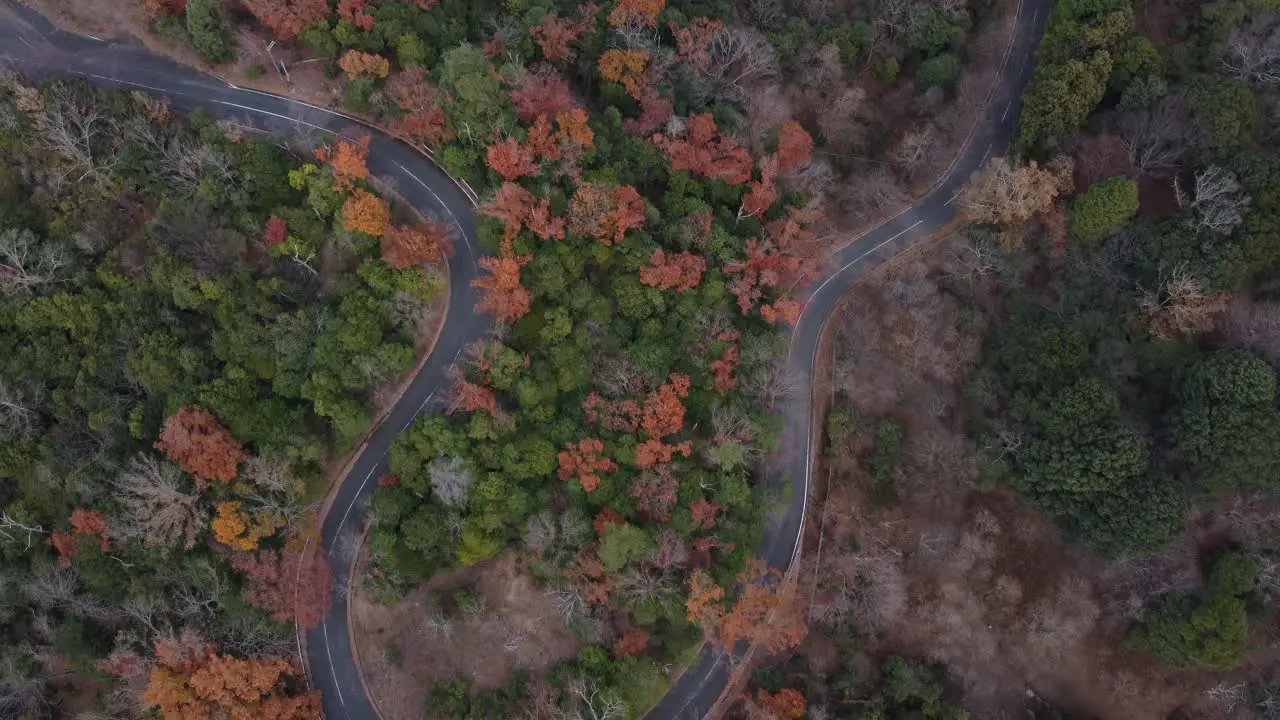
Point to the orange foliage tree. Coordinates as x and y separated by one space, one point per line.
510 159
723 368
705 600
503 295
701 150
663 411
422 116
287 18
639 12
795 146
355 63
348 161
680 272
193 439
766 612
196 684
583 461
652 452
764 267
763 192
703 513
626 67
84 523
786 704
555 34
405 246
605 212
239 530
364 212
287 585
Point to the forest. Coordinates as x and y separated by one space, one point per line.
195 318
1059 495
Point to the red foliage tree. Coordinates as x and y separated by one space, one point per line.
605 212
655 110
693 43
786 704
470 397
64 544
554 35
287 18
542 223
704 513
620 416
287 585
422 117
512 204
542 93
606 519
275 231
663 411
91 522
633 641
652 453
583 461
795 146
655 492
781 311
510 159
388 480
405 246
503 295
193 439
723 368
765 266
679 272
763 192
701 150
354 10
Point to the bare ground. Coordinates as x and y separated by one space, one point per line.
408 647
975 580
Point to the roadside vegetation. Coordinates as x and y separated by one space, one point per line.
1055 435
196 319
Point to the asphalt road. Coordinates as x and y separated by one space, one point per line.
30 44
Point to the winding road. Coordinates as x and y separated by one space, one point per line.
30 44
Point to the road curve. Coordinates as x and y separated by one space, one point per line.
30 44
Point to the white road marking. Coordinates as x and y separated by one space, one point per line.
333 668
1005 114
854 261
277 115
1035 15
985 153
94 38
953 197
442 203
124 82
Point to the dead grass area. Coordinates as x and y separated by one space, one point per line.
429 636
975 580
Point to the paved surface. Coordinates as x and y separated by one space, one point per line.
30 44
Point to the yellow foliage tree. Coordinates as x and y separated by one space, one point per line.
355 64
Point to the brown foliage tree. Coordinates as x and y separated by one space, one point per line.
587 574
583 461
422 117
701 150
355 63
287 585
605 212
193 439
680 272
287 18
364 212
354 10
405 246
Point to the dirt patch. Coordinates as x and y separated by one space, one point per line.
479 624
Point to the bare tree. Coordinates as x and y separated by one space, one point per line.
74 127
1252 53
873 192
739 57
592 702
28 262
913 148
1220 201
158 511
639 586
11 529
450 481
1010 194
770 382
1180 307
568 603
1158 138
